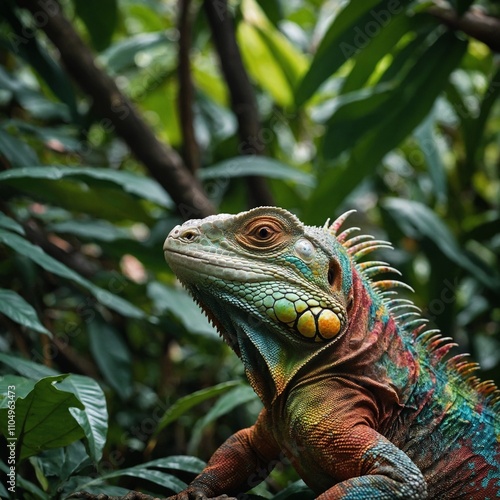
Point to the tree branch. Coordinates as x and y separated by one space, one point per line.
191 149
243 100
474 23
164 164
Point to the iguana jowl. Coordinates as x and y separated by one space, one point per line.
356 393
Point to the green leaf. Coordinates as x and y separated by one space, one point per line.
93 418
92 230
138 185
425 135
408 105
178 302
18 310
28 486
122 54
30 49
351 30
429 225
10 224
474 127
354 115
102 26
296 491
112 356
368 58
242 166
178 462
184 404
16 152
262 64
43 419
37 255
27 368
237 396
22 387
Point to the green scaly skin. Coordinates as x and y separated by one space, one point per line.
358 400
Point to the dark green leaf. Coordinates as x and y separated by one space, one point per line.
37 255
27 368
43 419
18 310
93 418
112 355
10 224
409 104
351 30
185 403
138 185
428 224
242 166
16 152
237 396
38 57
100 18
181 305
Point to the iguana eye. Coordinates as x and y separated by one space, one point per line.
264 232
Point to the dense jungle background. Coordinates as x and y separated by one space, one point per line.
120 118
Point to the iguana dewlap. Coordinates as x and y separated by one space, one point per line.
356 393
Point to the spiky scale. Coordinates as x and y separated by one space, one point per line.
357 239
347 233
337 223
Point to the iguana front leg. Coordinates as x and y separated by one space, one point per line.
242 462
369 466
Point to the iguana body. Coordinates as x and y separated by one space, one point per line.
358 400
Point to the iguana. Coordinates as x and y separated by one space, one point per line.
357 393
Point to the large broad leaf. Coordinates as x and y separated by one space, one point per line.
112 355
100 27
93 418
138 185
242 166
17 309
37 255
42 419
429 225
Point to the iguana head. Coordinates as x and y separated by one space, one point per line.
277 290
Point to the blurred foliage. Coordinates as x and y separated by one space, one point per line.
373 105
